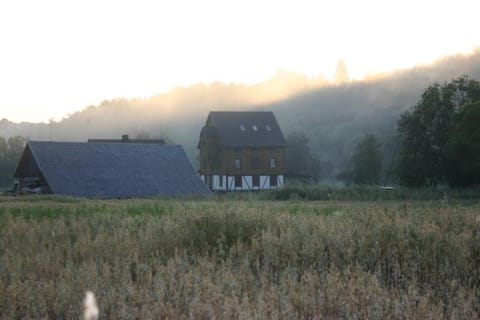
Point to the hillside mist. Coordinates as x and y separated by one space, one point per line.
334 116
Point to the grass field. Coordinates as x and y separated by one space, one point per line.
228 258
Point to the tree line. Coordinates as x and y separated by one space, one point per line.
10 152
438 142
439 139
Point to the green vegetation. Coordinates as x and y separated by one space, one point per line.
462 150
366 163
179 259
301 164
363 193
10 152
439 142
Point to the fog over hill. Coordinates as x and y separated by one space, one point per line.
334 116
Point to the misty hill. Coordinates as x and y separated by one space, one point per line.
335 117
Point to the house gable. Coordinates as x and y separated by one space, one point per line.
27 166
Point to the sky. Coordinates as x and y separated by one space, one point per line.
57 57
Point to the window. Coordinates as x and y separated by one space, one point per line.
255 163
268 128
220 181
238 181
273 180
273 162
254 128
256 181
237 163
242 127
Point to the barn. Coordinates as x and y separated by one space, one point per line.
106 169
242 151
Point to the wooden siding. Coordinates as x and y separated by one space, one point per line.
248 165
211 154
253 161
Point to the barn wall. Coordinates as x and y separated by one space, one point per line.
247 183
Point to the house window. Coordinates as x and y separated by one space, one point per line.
238 181
242 127
268 128
273 180
237 163
256 181
255 163
254 128
273 162
220 181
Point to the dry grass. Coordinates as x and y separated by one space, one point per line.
165 259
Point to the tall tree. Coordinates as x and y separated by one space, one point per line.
367 161
300 161
4 167
425 130
10 153
462 150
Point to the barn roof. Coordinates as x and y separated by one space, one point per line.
112 170
252 129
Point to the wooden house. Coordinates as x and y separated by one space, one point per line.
242 151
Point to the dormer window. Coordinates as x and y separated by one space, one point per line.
268 127
242 127
254 128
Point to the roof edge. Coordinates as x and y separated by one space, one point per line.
38 165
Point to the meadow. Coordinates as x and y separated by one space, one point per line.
228 258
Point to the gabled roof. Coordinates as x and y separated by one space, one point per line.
252 129
112 170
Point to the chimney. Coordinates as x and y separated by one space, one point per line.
125 137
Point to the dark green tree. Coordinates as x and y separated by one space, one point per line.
300 161
367 161
462 150
10 153
425 130
4 168
3 148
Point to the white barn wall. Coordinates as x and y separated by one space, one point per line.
264 183
280 181
247 183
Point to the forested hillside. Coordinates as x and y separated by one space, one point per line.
334 116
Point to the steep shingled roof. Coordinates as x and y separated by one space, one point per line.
252 129
112 170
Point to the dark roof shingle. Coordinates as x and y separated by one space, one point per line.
248 129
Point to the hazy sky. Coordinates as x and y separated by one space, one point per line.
57 57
